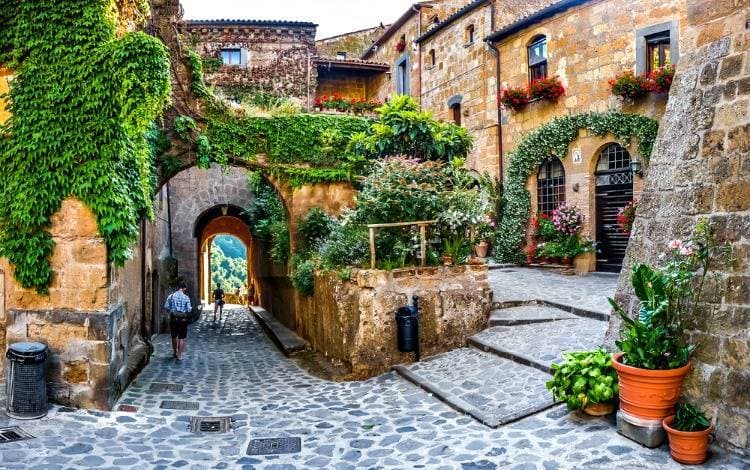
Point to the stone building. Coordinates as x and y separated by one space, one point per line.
701 169
349 45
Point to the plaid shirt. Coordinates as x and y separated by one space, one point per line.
178 302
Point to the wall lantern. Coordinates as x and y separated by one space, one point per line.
224 209
635 167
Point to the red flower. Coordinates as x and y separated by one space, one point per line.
660 80
515 98
550 88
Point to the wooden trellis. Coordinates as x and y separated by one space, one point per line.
422 224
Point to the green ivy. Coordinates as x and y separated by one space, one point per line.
196 74
82 102
554 138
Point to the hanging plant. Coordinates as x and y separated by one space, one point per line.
629 85
515 98
550 89
626 217
400 46
660 80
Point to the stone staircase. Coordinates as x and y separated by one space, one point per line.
500 377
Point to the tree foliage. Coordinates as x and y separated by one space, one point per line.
228 263
82 101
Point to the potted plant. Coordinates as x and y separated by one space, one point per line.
572 246
400 46
628 85
688 431
484 230
515 98
455 250
550 89
654 357
585 380
660 80
626 217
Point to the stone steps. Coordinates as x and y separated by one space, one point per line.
527 314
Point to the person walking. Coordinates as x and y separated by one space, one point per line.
179 308
218 301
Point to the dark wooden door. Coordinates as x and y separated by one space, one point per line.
614 189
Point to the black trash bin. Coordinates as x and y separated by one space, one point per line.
26 380
407 329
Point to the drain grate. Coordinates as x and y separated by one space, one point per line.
210 424
161 387
13 434
179 405
275 446
128 408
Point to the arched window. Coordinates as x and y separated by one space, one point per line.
470 34
550 185
456 113
537 52
431 58
613 166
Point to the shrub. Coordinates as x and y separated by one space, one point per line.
347 245
629 85
584 378
314 228
550 89
267 218
515 98
688 418
568 220
303 277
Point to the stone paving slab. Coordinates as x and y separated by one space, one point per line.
586 292
492 389
541 344
527 314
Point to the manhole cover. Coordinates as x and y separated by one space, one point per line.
210 424
13 434
127 408
160 387
179 405
281 445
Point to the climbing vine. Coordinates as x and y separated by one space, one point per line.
82 102
554 139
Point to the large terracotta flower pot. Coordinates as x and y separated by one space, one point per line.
687 447
481 249
648 394
600 409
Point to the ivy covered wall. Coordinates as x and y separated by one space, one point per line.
81 101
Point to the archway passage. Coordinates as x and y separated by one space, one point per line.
219 231
614 189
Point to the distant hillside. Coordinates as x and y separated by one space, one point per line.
231 246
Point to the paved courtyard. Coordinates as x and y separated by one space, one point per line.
233 370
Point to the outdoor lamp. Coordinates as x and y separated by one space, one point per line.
635 167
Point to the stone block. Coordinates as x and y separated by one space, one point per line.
739 139
76 372
737 353
738 388
733 196
731 66
732 427
650 436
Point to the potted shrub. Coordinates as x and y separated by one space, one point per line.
660 80
628 85
515 98
483 232
626 217
455 250
654 357
585 380
572 246
688 431
550 89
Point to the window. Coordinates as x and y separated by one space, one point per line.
538 59
434 20
456 113
550 185
657 51
613 166
341 55
470 34
402 76
231 56
431 59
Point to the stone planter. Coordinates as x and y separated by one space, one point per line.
648 394
481 249
690 448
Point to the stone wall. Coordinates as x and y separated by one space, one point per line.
350 85
701 168
353 321
354 44
276 56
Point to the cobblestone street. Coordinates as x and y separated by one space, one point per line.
233 370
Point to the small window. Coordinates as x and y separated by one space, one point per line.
341 55
231 56
657 51
456 113
431 58
435 20
550 185
470 35
538 59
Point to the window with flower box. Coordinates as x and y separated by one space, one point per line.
657 51
537 52
550 185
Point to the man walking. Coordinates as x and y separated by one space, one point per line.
218 301
179 308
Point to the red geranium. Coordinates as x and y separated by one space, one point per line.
515 98
550 89
660 80
626 217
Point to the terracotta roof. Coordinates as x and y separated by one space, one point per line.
395 27
251 22
468 8
354 64
523 22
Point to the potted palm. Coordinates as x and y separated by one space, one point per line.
586 381
688 431
654 357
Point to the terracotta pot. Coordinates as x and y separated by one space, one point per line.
600 409
542 260
687 447
481 249
566 261
648 394
447 261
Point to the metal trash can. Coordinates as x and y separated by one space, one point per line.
407 329
26 380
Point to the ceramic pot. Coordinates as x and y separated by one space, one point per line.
481 249
447 261
566 261
600 409
690 448
648 394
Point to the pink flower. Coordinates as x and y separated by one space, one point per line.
675 245
686 251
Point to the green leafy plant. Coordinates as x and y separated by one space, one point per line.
457 248
303 277
315 228
267 218
347 245
584 378
82 103
688 418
